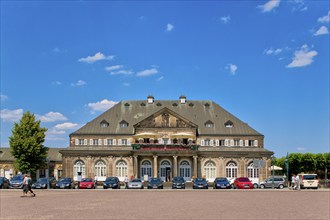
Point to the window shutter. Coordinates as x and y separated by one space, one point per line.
76 141
241 143
85 141
246 143
100 141
217 142
202 142
114 142
226 142
105 142
211 142
255 143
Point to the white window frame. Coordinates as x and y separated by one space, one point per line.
210 170
231 170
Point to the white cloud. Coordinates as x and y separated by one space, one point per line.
79 83
54 132
51 117
3 97
56 50
302 57
126 84
147 72
160 78
122 72
112 68
57 83
225 19
301 148
66 126
273 51
102 105
98 56
232 68
169 27
11 115
298 5
324 19
269 6
321 31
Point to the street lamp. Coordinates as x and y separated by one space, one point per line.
273 166
47 173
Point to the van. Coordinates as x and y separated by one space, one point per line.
308 181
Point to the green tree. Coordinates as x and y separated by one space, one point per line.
26 144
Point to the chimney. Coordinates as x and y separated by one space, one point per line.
150 99
183 99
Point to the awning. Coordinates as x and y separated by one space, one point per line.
145 135
275 168
182 135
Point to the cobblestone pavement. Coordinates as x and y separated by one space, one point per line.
166 204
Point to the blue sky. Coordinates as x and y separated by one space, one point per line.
266 62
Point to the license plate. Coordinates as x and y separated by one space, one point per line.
178 186
62 186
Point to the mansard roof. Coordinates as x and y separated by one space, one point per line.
195 112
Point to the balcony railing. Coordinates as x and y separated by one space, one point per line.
164 147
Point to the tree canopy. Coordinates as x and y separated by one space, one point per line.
26 144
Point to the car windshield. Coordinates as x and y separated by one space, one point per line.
136 180
111 179
42 180
243 180
310 177
153 180
221 180
200 180
87 180
18 178
64 180
1 179
178 178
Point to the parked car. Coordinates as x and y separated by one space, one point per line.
242 183
155 183
65 183
4 183
279 182
16 182
309 181
135 184
111 182
42 183
86 183
178 183
200 183
221 183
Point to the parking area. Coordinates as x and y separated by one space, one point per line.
166 204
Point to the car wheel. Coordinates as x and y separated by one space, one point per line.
262 186
255 186
280 186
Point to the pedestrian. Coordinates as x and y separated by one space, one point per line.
126 182
293 182
29 184
297 182
25 186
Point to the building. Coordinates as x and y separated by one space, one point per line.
166 138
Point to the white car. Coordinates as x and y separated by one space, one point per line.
135 184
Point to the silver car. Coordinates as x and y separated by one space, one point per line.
135 184
277 182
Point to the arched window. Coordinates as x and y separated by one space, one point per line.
79 166
185 170
146 168
252 171
231 170
209 170
121 168
100 169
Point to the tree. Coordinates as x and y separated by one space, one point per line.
26 144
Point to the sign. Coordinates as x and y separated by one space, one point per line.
258 163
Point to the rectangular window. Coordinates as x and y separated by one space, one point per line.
81 142
207 142
236 142
251 143
123 141
95 141
222 142
110 141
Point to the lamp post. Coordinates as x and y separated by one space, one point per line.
273 162
47 173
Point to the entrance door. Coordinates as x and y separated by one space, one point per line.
165 170
185 170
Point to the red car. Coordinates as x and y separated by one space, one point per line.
86 183
243 183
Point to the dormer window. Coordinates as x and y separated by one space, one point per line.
159 104
104 124
191 104
209 124
229 124
174 104
127 105
123 124
143 104
207 105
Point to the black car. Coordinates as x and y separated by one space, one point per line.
155 183
4 183
43 183
200 183
178 183
16 182
221 183
65 183
111 182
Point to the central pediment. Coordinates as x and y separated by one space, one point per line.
165 118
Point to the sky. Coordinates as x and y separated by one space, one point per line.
266 62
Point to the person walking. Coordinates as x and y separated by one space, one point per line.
297 182
126 182
293 182
25 186
29 185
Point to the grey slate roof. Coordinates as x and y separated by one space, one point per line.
197 112
53 154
